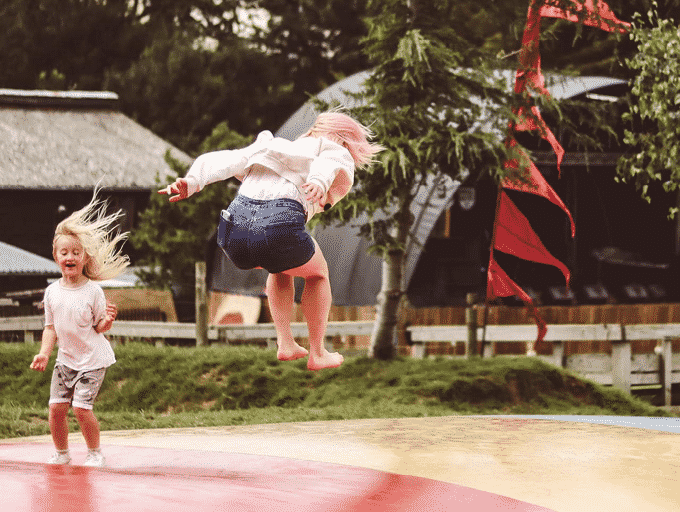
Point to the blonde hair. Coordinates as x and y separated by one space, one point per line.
346 131
95 232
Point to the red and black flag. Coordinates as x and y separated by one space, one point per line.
525 208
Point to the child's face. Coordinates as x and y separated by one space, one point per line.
70 256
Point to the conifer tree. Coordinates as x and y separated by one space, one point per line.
433 102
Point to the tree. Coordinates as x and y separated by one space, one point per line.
653 117
424 101
72 38
315 42
181 90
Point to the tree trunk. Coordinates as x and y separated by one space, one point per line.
385 336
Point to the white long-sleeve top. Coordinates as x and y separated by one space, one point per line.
274 167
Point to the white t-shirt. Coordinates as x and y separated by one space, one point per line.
265 184
75 312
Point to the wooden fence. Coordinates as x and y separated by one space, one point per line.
28 328
616 314
621 369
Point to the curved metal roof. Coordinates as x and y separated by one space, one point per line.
559 86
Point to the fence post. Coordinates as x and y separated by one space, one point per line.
666 369
489 350
621 355
558 353
201 305
29 339
471 322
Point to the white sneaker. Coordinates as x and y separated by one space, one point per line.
94 460
60 458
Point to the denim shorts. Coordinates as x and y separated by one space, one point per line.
265 233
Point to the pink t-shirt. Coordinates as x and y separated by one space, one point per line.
74 312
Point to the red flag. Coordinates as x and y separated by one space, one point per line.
535 122
536 184
513 233
499 284
596 15
529 70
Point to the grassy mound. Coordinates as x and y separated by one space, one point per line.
177 387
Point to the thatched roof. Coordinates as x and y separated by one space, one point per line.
65 140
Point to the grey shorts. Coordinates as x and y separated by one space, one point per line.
78 388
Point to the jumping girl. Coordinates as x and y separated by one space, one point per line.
284 184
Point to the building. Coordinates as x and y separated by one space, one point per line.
614 257
55 147
22 270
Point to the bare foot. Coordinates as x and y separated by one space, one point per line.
291 352
326 360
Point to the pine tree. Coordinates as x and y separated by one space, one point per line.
433 102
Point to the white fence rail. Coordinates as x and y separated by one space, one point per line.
160 331
622 369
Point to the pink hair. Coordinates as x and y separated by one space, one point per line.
351 134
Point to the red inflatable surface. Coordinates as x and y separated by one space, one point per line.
154 479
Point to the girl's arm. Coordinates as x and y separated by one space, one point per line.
49 338
213 167
107 321
333 164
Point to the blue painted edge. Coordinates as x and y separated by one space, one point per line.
650 423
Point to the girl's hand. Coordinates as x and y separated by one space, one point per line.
111 311
314 193
179 187
39 362
107 322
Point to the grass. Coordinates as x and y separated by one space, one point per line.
152 387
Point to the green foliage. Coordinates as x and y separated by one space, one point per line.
433 102
315 42
217 385
68 38
182 89
182 67
653 118
171 237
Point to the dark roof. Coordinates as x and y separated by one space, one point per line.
76 139
18 262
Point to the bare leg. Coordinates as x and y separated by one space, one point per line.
316 305
58 420
281 295
89 427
